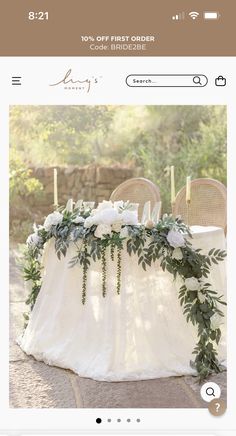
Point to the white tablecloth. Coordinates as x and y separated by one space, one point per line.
137 335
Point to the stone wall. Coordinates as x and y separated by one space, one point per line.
90 183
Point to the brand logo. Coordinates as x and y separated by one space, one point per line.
71 83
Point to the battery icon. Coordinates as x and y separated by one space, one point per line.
211 15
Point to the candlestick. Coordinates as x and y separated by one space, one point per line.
172 178
55 187
146 212
188 210
188 189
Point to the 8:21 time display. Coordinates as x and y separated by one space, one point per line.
40 16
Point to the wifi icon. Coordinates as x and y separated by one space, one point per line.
194 15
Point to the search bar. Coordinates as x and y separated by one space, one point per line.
167 80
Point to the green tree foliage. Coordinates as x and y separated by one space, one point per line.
150 138
21 184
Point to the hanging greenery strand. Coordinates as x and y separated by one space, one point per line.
85 273
104 273
112 252
118 274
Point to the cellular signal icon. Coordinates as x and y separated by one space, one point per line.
194 15
178 17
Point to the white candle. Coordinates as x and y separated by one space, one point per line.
146 212
69 205
188 189
172 178
55 187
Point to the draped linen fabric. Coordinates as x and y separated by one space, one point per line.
137 335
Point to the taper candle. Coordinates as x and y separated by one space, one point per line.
55 187
188 189
69 205
172 178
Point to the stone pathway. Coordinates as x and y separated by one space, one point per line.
36 385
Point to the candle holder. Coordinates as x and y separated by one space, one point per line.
188 210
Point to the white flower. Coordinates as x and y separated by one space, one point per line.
34 239
102 230
177 254
52 220
104 205
201 297
175 239
89 222
124 232
116 227
78 219
216 321
192 284
129 217
93 212
107 216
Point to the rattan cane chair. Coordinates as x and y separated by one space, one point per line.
137 190
207 206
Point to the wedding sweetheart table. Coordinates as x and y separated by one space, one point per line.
139 333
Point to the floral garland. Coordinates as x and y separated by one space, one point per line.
167 241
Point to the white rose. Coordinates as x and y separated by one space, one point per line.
175 239
129 217
34 239
78 219
124 232
107 216
216 321
102 230
201 297
52 220
89 222
104 205
192 284
177 254
116 227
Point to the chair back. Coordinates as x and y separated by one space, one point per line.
208 206
137 190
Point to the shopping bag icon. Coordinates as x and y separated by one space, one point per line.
220 81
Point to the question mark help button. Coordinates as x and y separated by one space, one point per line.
217 407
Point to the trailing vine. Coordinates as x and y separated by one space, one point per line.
118 274
168 244
112 252
104 275
85 263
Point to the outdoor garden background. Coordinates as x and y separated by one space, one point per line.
95 148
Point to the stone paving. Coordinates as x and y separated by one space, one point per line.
36 385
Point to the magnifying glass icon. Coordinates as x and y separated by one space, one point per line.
197 80
210 392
